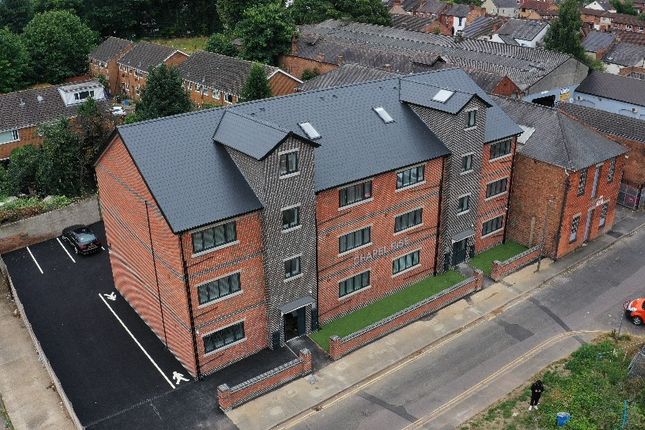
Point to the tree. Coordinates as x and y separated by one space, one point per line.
74 6
163 95
14 62
58 172
564 33
266 32
368 11
95 127
58 44
312 11
21 173
15 14
626 7
257 85
231 11
221 43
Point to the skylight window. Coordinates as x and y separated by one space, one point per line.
382 113
309 130
442 96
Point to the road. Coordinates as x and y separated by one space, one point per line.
448 385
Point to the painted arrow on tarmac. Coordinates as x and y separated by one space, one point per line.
111 296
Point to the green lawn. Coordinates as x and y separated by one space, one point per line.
185 44
385 307
484 261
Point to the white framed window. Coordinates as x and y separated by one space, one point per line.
290 218
467 163
463 204
9 136
471 120
289 163
292 267
575 224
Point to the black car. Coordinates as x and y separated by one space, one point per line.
82 239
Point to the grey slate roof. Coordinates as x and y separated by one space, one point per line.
607 122
411 22
615 87
486 81
458 9
407 5
524 66
110 49
481 26
598 40
506 4
219 71
344 75
432 7
557 139
145 55
626 54
523 29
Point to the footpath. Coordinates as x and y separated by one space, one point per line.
341 378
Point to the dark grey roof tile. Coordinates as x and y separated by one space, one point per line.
607 122
145 55
615 87
111 48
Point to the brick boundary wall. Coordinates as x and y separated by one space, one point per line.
5 278
232 397
339 347
503 268
47 225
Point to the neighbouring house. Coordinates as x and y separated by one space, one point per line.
539 10
22 113
217 79
541 75
597 43
612 93
483 27
602 5
136 63
521 32
430 8
566 180
606 21
236 229
347 74
626 59
454 17
629 132
412 23
398 7
494 83
103 60
507 8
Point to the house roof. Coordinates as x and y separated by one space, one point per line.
607 122
411 22
556 138
407 5
538 5
459 10
522 29
524 66
481 26
615 87
110 49
35 106
344 75
603 3
145 55
432 7
598 40
219 71
626 54
486 81
630 37
196 183
505 3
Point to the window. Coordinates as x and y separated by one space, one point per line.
442 96
228 97
603 215
409 177
596 178
575 223
472 118
354 239
408 220
292 267
224 337
214 237
467 163
383 114
493 225
463 205
9 136
355 283
290 218
355 193
288 163
583 182
309 130
83 95
500 149
219 288
406 262
497 187
612 170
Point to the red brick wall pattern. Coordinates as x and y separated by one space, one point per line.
504 268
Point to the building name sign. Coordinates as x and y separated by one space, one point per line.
380 251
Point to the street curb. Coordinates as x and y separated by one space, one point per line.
485 317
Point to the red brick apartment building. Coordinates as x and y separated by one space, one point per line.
566 180
233 230
103 60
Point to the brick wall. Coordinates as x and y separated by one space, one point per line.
506 87
504 268
338 347
229 398
130 80
386 245
295 65
26 136
282 84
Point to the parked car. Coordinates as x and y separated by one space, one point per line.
82 239
118 111
635 311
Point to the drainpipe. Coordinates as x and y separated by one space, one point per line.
190 308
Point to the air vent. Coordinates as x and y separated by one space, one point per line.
382 113
442 96
309 130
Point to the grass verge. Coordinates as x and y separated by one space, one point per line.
592 385
30 206
385 307
185 44
484 261
4 416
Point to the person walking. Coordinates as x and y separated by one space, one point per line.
536 392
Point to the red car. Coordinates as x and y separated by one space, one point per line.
635 310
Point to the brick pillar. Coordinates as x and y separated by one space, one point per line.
479 280
224 398
334 347
307 361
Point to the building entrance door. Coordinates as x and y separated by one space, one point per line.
295 323
589 223
459 251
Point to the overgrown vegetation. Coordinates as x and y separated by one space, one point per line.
484 261
163 95
26 207
5 416
257 85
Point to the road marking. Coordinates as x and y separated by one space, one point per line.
111 296
137 342
65 249
34 258
179 377
103 248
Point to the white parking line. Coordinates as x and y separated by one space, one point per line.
65 249
137 342
34 258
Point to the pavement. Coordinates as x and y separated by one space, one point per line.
431 363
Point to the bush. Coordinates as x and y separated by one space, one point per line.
308 74
30 206
21 174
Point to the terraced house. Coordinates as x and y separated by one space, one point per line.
233 230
